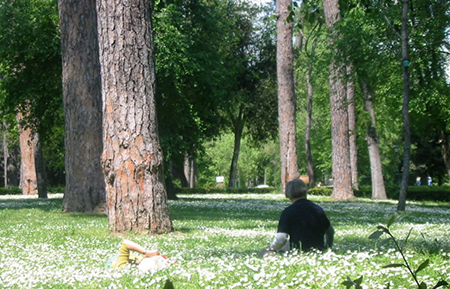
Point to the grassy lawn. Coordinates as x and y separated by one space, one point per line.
215 243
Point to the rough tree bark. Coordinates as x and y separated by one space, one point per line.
342 189
376 170
85 183
132 157
286 95
28 181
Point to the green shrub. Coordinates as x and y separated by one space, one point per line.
432 193
18 191
225 191
417 193
320 191
56 190
10 191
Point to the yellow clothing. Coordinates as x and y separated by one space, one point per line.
125 257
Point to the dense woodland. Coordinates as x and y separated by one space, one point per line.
370 93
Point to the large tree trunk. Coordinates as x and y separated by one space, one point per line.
132 157
286 95
405 110
85 183
352 129
28 181
378 188
342 189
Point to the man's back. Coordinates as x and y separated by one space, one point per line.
306 223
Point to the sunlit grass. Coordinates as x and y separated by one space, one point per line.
215 243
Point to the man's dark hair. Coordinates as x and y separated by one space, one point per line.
296 189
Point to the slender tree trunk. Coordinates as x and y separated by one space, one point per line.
286 95
309 158
168 180
352 129
40 168
238 126
342 189
189 170
13 166
132 157
405 110
445 152
193 174
85 183
5 155
28 181
378 188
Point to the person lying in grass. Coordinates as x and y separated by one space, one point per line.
303 225
147 260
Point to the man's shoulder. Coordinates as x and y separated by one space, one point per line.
303 204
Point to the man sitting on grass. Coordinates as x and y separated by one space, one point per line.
304 222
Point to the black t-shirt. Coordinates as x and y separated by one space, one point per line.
306 223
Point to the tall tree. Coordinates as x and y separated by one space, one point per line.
310 30
132 157
428 23
350 92
191 73
405 109
342 189
360 46
378 188
286 95
85 184
30 65
251 61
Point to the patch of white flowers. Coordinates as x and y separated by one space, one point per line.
222 253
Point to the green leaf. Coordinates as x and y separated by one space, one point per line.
359 280
381 227
391 221
376 235
440 284
422 266
423 285
393 266
347 284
